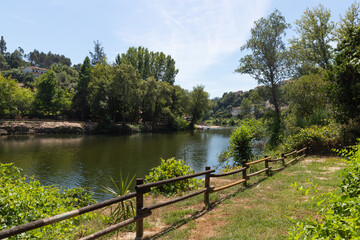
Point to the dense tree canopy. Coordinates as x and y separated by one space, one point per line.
312 47
345 76
150 64
45 60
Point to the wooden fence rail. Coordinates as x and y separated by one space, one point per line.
141 188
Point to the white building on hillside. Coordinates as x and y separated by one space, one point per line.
35 70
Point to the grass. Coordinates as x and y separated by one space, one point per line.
266 209
270 208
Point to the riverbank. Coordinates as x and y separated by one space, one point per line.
11 127
46 127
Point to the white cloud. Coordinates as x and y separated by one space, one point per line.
197 34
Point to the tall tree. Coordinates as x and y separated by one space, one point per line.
351 19
98 53
345 76
150 64
100 91
268 63
15 59
82 90
2 46
43 60
126 93
199 104
50 99
312 48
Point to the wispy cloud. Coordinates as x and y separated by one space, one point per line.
22 19
197 34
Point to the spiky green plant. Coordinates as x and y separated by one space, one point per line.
125 209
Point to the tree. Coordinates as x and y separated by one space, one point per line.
14 100
15 59
150 64
307 98
82 90
100 91
268 63
345 76
350 20
43 60
67 77
125 93
3 64
199 104
98 53
312 48
2 46
50 99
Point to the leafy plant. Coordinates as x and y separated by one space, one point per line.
24 200
172 168
125 209
240 142
339 217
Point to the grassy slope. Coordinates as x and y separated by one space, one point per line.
265 210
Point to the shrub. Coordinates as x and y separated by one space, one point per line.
240 142
172 168
339 217
317 137
25 200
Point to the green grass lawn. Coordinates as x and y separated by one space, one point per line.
267 209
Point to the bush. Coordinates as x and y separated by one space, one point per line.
172 168
339 217
240 142
25 200
319 139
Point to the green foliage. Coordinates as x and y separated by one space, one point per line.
172 168
199 104
45 60
24 200
50 99
79 102
312 48
98 55
67 77
125 209
339 217
14 100
240 142
306 95
150 64
345 76
319 138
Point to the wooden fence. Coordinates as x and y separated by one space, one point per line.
141 188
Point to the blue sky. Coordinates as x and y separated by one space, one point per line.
203 36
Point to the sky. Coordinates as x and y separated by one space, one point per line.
204 37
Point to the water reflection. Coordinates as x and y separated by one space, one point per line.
89 161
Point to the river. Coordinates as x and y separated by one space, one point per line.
90 161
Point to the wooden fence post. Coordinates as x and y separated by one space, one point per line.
283 159
267 166
244 173
139 207
207 187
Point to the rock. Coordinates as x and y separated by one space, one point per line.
3 132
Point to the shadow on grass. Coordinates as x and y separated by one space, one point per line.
203 211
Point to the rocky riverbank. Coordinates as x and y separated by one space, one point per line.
44 127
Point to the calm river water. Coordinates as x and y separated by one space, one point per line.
90 161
